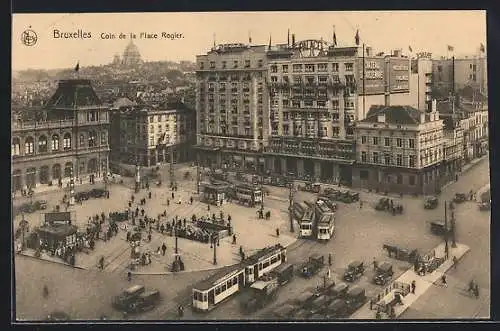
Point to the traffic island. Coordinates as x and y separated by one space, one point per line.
401 287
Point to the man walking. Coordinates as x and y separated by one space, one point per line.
163 248
330 259
413 286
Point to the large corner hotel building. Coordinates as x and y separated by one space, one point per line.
291 108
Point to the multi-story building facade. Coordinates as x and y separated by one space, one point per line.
421 82
149 135
453 154
475 132
232 106
67 137
455 74
399 149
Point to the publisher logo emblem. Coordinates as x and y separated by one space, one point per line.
29 37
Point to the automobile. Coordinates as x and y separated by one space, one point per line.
145 301
319 304
41 204
355 298
310 187
305 298
339 290
337 309
81 196
284 273
58 316
312 266
383 273
97 193
431 202
332 193
438 228
128 296
354 271
460 197
485 206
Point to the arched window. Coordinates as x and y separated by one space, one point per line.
55 142
16 147
56 171
104 137
29 145
67 141
92 139
42 144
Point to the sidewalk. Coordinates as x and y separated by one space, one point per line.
423 283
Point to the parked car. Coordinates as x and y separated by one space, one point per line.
439 228
339 291
337 309
431 202
128 296
284 273
383 273
460 197
98 193
356 297
145 301
354 271
312 266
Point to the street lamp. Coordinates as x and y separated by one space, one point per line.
290 207
214 243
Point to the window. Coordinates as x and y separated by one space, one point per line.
42 144
92 139
412 161
260 63
16 147
399 142
411 143
92 116
202 65
363 139
363 157
387 158
265 264
235 64
67 141
297 68
411 180
335 67
375 140
29 145
375 157
309 67
285 68
399 160
104 137
349 66
387 142
247 63
274 69
322 67
212 64
82 140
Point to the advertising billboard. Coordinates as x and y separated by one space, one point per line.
399 75
374 74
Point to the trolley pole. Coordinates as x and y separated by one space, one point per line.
290 207
215 249
446 231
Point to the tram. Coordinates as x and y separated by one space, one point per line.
298 210
210 292
326 226
307 223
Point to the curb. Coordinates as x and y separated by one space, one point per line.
50 261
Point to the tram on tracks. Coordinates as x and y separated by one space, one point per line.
298 210
307 223
326 227
210 292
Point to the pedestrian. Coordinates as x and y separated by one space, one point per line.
234 239
149 237
208 206
360 204
149 194
455 261
476 291
45 291
443 280
191 200
181 311
164 248
129 276
329 273
277 232
173 195
375 264
413 286
168 202
471 286
330 259
180 200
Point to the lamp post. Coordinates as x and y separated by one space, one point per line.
290 207
213 244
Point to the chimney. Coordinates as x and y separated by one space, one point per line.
397 53
368 51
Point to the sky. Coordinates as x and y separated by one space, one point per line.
194 33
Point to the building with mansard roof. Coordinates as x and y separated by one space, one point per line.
66 137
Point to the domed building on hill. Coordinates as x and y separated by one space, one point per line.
131 55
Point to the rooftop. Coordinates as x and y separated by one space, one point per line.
74 93
393 115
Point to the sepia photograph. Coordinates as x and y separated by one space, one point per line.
256 166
